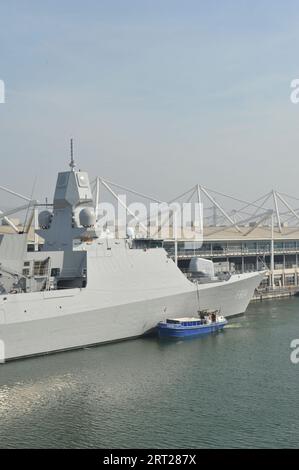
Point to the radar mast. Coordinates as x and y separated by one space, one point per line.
72 162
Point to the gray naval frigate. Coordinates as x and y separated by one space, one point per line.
83 289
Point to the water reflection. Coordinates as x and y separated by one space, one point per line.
228 389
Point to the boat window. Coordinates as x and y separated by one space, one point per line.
62 180
55 272
40 267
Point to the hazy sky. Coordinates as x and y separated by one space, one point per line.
159 95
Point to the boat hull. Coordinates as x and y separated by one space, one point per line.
166 331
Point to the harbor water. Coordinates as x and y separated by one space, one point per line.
234 389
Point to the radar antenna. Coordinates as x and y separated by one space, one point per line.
72 163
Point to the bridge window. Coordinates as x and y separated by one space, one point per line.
55 272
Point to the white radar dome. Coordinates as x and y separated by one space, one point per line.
87 217
130 232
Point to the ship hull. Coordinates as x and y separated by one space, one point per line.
56 321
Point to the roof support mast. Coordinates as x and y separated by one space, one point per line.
276 210
288 206
97 197
123 204
223 212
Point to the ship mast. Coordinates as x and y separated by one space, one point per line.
72 162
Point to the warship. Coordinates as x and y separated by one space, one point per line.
83 289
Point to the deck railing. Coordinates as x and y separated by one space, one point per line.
231 252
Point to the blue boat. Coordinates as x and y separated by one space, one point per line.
208 322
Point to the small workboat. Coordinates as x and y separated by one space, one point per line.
207 322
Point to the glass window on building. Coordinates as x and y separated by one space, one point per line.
290 280
234 246
249 263
206 247
250 246
263 247
290 261
278 262
265 283
289 245
238 264
218 247
267 261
